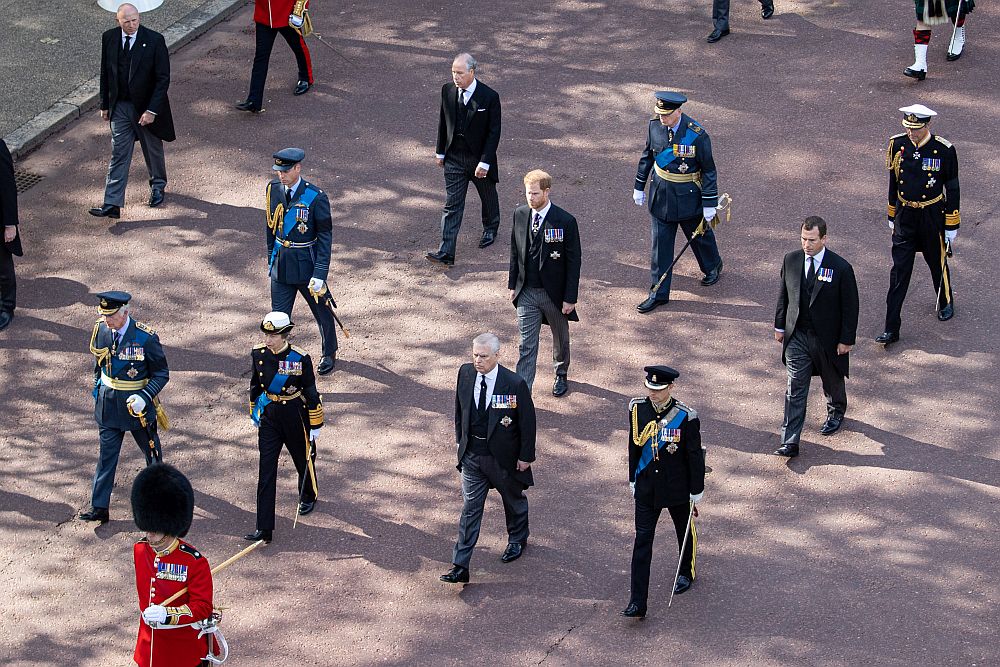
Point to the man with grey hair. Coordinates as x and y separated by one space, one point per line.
135 75
495 436
467 140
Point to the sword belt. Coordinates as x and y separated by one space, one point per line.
123 385
284 398
921 204
693 177
292 244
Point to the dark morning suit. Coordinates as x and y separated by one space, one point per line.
8 216
684 155
720 12
132 83
138 357
304 254
815 320
468 135
668 477
509 437
270 19
544 272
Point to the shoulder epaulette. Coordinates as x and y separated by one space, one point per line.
300 350
145 327
943 141
696 127
260 346
896 136
691 412
188 549
890 150
635 401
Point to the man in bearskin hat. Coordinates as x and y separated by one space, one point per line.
170 635
288 412
929 14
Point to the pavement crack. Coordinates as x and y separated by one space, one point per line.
557 642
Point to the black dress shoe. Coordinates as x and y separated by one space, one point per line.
832 425
952 57
326 364
155 197
712 276
683 583
301 87
650 303
766 11
456 575
716 35
106 211
790 450
99 514
249 106
560 387
513 552
258 535
5 319
306 507
488 238
440 258
918 74
947 312
887 338
633 611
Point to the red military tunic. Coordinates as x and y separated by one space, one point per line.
273 13
158 575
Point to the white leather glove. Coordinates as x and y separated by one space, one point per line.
295 21
313 434
639 197
708 212
696 497
892 226
315 285
136 403
950 235
154 615
631 486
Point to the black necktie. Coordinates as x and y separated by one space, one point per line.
288 194
670 136
461 96
810 276
481 406
128 43
114 343
537 223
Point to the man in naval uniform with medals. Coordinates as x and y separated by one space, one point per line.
299 239
666 470
130 370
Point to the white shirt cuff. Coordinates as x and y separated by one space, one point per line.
483 165
439 156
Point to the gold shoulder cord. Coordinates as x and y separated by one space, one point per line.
102 354
647 432
272 218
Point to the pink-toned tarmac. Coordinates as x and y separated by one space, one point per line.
876 546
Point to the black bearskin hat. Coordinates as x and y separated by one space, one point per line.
162 500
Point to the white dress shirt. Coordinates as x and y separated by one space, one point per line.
121 332
817 261
466 96
544 211
491 380
292 188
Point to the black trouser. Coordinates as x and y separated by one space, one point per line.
282 424
262 56
805 355
459 169
282 300
916 230
646 517
8 281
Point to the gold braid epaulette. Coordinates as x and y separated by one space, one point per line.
102 354
272 218
647 432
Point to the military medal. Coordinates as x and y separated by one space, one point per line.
555 254
302 227
931 181
506 421
916 155
684 167
132 372
672 447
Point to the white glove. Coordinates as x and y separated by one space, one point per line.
708 212
313 434
295 21
631 486
696 497
950 235
892 226
136 403
639 197
315 285
154 615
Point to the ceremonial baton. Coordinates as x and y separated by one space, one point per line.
954 29
312 476
944 270
218 568
677 573
725 201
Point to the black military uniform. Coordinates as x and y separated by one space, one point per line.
299 238
287 409
666 470
924 213
683 188
8 218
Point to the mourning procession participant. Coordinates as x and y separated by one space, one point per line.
271 18
287 410
130 370
11 244
467 140
182 632
666 469
923 213
495 436
720 18
299 243
683 191
949 14
544 277
135 76
816 321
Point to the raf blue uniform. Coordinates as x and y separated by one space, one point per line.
680 170
134 364
299 238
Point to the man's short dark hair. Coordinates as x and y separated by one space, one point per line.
815 222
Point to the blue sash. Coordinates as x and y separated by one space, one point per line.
647 447
685 137
289 221
277 384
